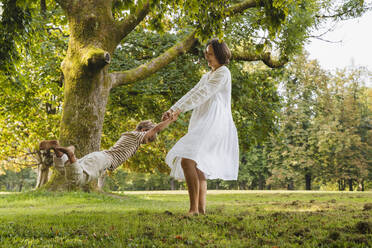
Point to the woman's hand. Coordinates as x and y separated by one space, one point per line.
174 115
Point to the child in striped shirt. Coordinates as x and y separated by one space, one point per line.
93 165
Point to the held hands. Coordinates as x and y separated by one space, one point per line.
170 115
166 115
167 118
175 115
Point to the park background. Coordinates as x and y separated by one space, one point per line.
305 125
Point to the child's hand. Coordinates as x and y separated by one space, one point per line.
174 115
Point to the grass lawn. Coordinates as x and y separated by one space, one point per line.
156 219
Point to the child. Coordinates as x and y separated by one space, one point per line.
93 165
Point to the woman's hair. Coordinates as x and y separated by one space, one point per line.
147 125
221 51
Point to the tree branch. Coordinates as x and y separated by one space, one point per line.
265 57
43 8
143 71
127 25
341 14
240 7
320 38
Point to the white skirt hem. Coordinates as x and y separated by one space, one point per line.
173 160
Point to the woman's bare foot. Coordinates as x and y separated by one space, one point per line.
192 213
48 144
69 151
202 211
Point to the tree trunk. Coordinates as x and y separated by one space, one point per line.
290 185
20 186
86 80
172 184
308 181
83 112
350 182
43 176
341 184
261 182
253 184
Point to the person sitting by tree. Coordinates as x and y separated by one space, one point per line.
93 165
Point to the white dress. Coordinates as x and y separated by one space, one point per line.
211 140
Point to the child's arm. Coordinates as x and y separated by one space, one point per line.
161 126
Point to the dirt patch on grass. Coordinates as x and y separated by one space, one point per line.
359 240
364 227
166 212
302 232
295 203
280 215
334 235
367 206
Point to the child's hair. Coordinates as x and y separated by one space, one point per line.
147 125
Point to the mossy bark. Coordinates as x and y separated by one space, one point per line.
85 97
86 81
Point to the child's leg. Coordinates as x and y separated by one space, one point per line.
94 166
69 151
74 174
60 159
101 181
88 168
73 171
59 162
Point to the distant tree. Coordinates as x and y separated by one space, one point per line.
294 153
254 169
24 179
343 129
324 128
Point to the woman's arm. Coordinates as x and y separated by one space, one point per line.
169 112
201 92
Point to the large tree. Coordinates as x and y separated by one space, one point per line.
98 27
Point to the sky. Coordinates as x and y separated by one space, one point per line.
355 48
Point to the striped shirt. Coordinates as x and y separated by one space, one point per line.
124 148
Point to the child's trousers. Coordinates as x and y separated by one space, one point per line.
85 169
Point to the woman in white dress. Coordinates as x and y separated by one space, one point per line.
210 148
